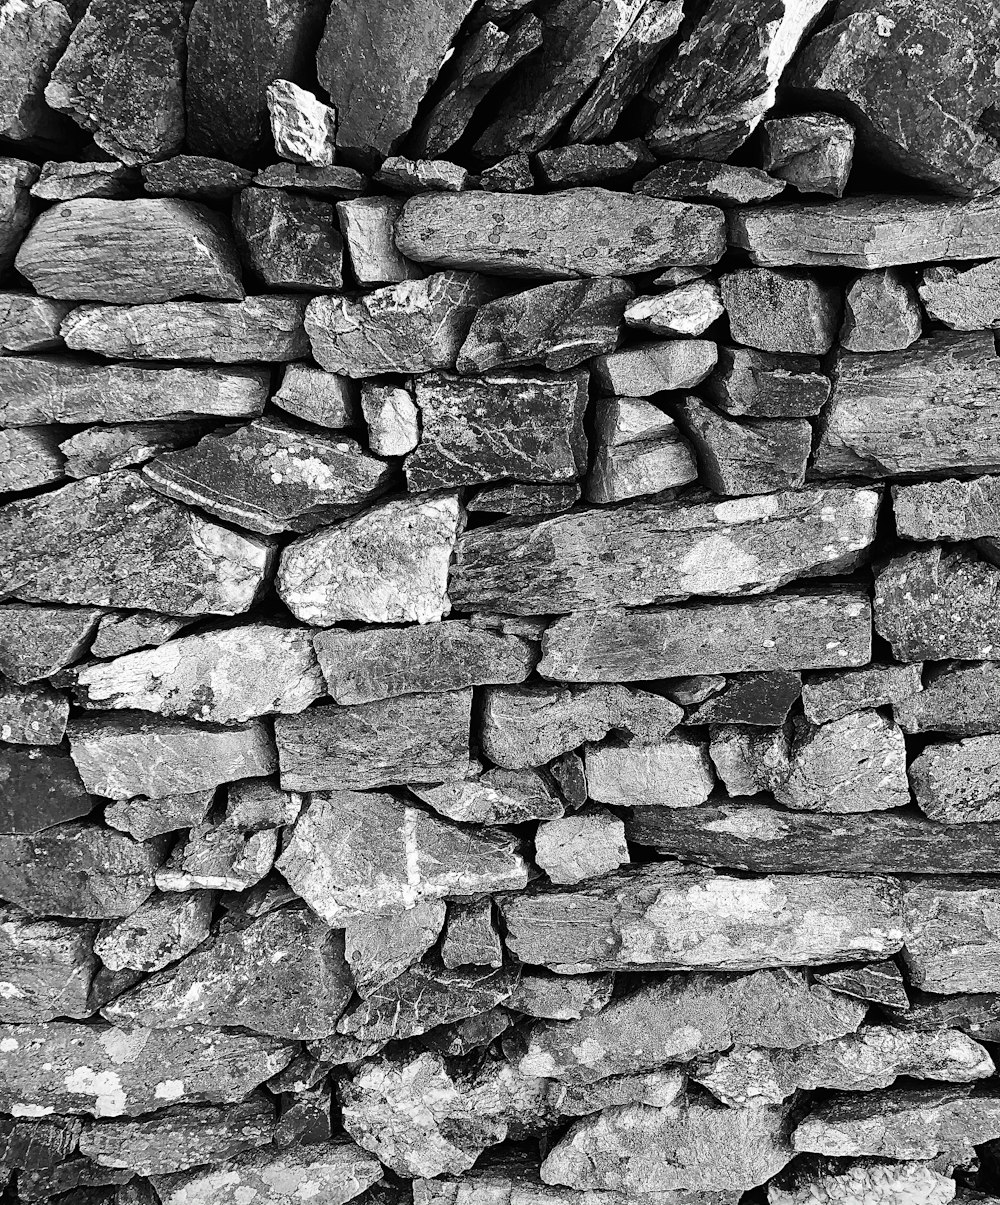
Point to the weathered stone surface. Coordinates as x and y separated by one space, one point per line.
392 418
812 151
672 773
703 180
585 163
558 997
625 468
197 177
353 855
61 389
77 1173
34 37
140 550
129 252
143 818
715 86
948 510
877 982
688 310
160 931
950 941
586 845
334 183
266 328
32 715
416 326
133 754
881 312
222 855
122 78
123 631
832 696
98 450
367 226
16 177
755 700
606 233
876 1181
30 323
654 367
525 501
60 181
303 128
77 869
868 232
46 967
288 240
959 699
379 948
29 457
966 299
39 1143
748 760
773 310
751 456
410 176
512 174
38 641
957 782
496 797
661 918
388 565
762 384
916 87
469 937
319 397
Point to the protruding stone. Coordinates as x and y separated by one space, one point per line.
196 177
98 450
747 760
874 982
412 176
877 1182
881 312
948 510
781 310
957 782
511 174
832 696
288 240
160 931
966 299
673 773
30 323
960 699
32 715
303 128
319 397
392 418
16 177
704 180
496 797
36 642
761 384
688 310
367 225
654 367
639 451
812 151
951 934
34 37
224 854
588 163
60 181
756 700
142 817
29 457
586 845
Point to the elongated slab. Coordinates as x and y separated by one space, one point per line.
790 631
635 555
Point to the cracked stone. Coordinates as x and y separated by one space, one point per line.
758 700
380 948
160 931
747 760
881 312
878 1182
762 384
469 937
832 696
319 397
288 240
496 797
392 418
36 642
959 699
654 367
688 310
812 151
951 934
29 323
98 450
46 968
751 456
367 224
142 817
195 177
965 299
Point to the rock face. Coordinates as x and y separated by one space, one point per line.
49 965
35 36
774 310
965 299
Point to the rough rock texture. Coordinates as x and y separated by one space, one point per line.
34 38
812 151
289 240
774 310
40 786
881 312
965 299
16 177
303 127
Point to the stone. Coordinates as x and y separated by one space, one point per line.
688 310
39 1143
288 240
66 181
63 389
30 323
950 938
75 1173
46 966
875 982
339 1170
559 325
141 551
33 715
519 424
123 79
965 299
522 501
958 699
955 782
36 642
645 466
748 456
413 327
900 1123
142 817
392 418
380 663
649 368
948 510
98 450
833 696
558 998
672 773
774 310
661 918
974 1014
16 178
513 1181
379 948
867 232
159 932
657 1088
265 329
222 854
637 1148
334 183
319 397
495 797
812 151
877 1181
304 129
586 845
747 760
606 233
408 857
180 1137
412 176
123 631
284 974
29 457
77 869
34 37
512 174
705 180
586 163
469 937
763 384
234 51
367 225
129 252
195 177
916 89
756 700
714 86
388 565
881 313
123 756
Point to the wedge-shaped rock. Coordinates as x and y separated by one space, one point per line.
284 975
111 541
962 700
881 312
380 947
678 1018
875 982
34 38
649 368
221 855
264 328
469 939
38 641
319 397
659 918
304 129
380 663
97 450
761 384
143 818
39 787
951 934
516 425
754 700
901 1123
706 180
61 181
868 232
688 310
197 177
673 773
628 468
662 552
812 151
224 677
30 323
602 233
876 1181
415 326
61 389
388 565
288 240
77 869
966 299
46 967
129 251
789 631
336 182
353 854
180 1137
496 797
160 931
946 510
958 781
832 696
134 754
692 1145
122 632
747 759
29 457
752 456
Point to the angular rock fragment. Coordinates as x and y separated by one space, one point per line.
30 323
956 782
34 38
948 510
756 700
98 450
704 180
288 240
496 797
160 931
379 948
425 997
32 715
46 967
523 501
751 456
319 397
265 328
877 982
223 854
784 311
469 937
747 760
585 163
959 699
38 1143
38 641
196 177
392 418
143 818
29 457
965 299
304 129
67 181
512 174
77 1173
410 176
605 233
129 252
881 313
672 773
586 845
688 310
832 696
761 384
388 565
654 367
626 465
877 1181
367 225
333 183
408 857
122 632
950 934
122 78
16 177
558 997
812 151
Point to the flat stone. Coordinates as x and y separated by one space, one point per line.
304 129
124 80
868 232
322 398
881 312
73 1173
516 1181
34 38
367 225
705 180
654 367
587 163
38 641
32 715
959 699
586 845
525 500
46 966
762 384
334 183
159 932
877 1181
469 938
656 1088
123 631
59 181
77 869
784 311
392 418
265 328
812 151
956 782
948 510
950 934
196 177
756 700
16 178
558 998
973 1013
750 456
380 663
29 457
30 323
290 241
142 817
495 797
128 252
965 299
379 948
606 233
688 310
874 982
140 551
388 565
97 450
646 466
63 389
353 855
413 327
672 773
220 855
411 176
521 425
832 696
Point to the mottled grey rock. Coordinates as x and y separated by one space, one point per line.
747 760
30 323
832 696
757 700
469 937
46 966
495 797
966 299
388 565
142 817
160 931
960 699
877 982
674 772
877 1182
353 855
425 997
812 151
586 163
558 997
197 177
123 631
319 397
367 225
761 384
97 450
334 183
704 180
379 948
66 181
950 940
129 252
881 312
525 501
514 1181
223 854
288 240
957 782
38 1143
78 1173
654 367
948 510
32 715
392 418
303 128
586 845
410 176
626 466
38 641
35 35
29 457
688 310
511 174
785 311
16 177
606 233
